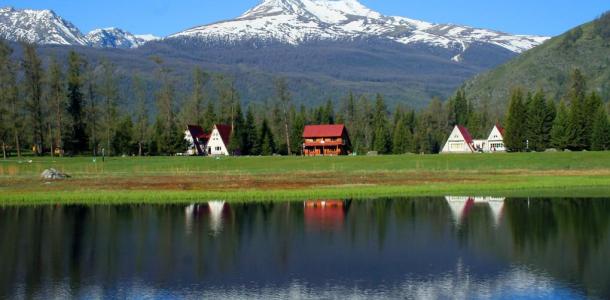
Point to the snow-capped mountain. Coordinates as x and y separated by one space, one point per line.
116 38
297 21
47 28
38 26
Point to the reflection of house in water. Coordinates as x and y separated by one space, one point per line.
215 209
326 214
461 206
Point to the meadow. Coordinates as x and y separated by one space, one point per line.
190 179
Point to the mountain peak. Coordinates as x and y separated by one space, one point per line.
299 21
327 11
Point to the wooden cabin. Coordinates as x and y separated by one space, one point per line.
326 140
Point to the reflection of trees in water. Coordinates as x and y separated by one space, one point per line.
110 244
568 237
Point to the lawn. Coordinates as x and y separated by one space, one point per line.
188 179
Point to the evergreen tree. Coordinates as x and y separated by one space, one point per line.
266 142
168 136
109 94
578 122
600 137
122 141
284 98
57 97
401 139
381 139
12 117
141 125
560 135
251 134
238 143
195 109
33 74
515 130
296 132
539 118
592 104
77 140
459 109
328 113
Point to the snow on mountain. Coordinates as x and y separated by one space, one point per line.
116 38
297 21
38 26
46 27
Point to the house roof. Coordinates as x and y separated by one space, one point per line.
500 129
197 132
465 134
225 132
323 131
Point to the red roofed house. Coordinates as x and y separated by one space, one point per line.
460 141
218 144
495 141
197 139
320 140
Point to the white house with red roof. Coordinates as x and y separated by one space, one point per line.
461 141
218 142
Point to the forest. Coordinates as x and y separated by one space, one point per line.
79 109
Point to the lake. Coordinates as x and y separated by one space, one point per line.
438 247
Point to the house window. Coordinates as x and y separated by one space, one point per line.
218 149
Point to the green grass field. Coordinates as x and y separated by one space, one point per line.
188 179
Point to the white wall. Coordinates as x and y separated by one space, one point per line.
215 145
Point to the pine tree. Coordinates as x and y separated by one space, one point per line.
12 118
58 102
593 103
401 139
251 134
77 140
515 130
381 139
296 131
267 144
538 119
141 125
109 94
167 135
578 121
195 109
238 143
284 98
459 109
33 76
122 141
560 136
600 136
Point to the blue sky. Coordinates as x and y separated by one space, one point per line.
163 17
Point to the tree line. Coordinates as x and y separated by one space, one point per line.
77 108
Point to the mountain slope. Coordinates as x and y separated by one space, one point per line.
45 27
549 66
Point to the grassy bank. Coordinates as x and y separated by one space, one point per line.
187 179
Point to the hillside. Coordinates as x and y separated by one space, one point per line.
548 66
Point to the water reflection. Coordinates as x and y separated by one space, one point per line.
460 206
464 247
